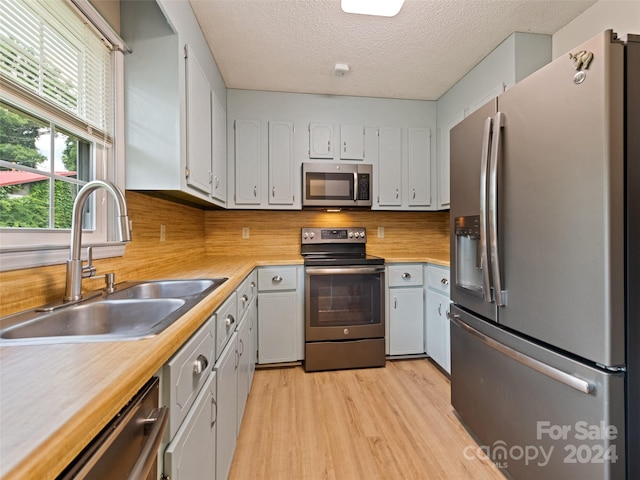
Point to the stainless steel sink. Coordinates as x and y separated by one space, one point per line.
110 318
166 288
134 311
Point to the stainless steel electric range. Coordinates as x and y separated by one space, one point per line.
344 300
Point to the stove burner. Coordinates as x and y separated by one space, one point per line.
336 247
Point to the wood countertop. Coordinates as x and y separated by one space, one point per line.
54 399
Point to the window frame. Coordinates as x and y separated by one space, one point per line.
25 248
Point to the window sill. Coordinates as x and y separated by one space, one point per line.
16 259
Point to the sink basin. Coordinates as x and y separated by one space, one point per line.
107 319
167 288
135 310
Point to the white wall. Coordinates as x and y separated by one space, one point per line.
623 16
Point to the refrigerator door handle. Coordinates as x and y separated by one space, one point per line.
484 167
500 294
551 372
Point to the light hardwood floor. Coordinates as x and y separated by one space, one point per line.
380 423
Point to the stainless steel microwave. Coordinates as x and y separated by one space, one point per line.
336 185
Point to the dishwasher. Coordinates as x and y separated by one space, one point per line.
127 448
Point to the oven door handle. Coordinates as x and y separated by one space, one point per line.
343 270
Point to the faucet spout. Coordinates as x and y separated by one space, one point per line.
73 289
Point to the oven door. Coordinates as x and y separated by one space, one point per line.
344 303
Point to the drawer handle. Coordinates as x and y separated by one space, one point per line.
406 275
229 320
277 279
245 299
444 281
200 364
214 411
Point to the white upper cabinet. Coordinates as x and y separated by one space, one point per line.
514 59
389 162
219 150
351 142
404 173
320 140
169 107
199 132
419 167
281 164
247 162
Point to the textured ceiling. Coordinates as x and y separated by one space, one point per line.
292 45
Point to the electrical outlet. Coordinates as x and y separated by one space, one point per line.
245 232
163 232
380 232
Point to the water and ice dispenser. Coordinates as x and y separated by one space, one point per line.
469 255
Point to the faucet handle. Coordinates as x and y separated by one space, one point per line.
89 270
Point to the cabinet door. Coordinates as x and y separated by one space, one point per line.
351 142
389 166
444 160
244 359
437 334
281 163
419 166
277 327
191 455
406 321
247 147
198 172
320 140
219 151
227 375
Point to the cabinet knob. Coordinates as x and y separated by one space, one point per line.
397 193
414 193
244 298
229 320
406 275
200 364
255 191
273 191
328 145
444 281
252 285
277 279
345 147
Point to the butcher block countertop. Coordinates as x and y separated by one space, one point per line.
54 399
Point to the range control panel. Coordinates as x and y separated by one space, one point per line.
334 235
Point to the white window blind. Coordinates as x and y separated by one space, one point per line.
47 49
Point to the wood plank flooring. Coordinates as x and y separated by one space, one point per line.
381 423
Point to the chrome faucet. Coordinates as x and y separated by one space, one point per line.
75 271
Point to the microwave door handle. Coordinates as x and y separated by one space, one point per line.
484 166
496 272
355 186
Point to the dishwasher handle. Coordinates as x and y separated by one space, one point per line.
157 422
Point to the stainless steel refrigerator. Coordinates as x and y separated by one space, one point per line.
545 268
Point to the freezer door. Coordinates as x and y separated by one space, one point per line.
468 269
536 414
561 204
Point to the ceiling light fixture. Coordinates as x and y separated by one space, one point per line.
381 8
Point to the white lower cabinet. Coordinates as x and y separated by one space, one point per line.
406 309
226 369
437 324
191 453
245 357
280 315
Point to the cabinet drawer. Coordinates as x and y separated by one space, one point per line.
246 292
404 275
438 278
187 371
277 278
226 322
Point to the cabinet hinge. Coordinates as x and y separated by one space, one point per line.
186 172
